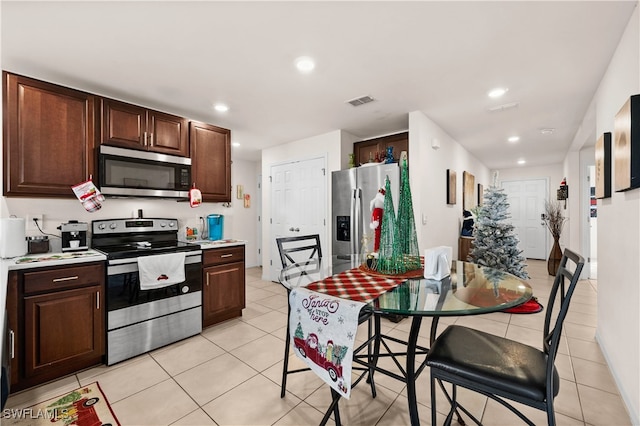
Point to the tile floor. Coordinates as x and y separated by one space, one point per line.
230 374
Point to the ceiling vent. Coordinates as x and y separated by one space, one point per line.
361 101
503 107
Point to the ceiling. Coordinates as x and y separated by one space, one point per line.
440 58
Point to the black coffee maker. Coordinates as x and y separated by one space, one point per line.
74 235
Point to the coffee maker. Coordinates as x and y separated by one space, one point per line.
74 235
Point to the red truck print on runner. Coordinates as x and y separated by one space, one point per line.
309 349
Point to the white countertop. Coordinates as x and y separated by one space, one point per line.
209 244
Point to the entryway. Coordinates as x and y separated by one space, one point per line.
526 205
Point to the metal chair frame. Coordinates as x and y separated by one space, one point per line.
483 383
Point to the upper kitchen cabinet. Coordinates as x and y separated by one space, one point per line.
211 161
131 126
48 137
367 151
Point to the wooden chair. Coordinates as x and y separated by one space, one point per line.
503 369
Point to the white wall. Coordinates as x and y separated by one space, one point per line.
239 223
428 179
618 330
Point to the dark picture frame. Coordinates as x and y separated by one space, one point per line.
480 194
451 186
627 145
603 166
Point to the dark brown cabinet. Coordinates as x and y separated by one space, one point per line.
60 317
131 126
49 137
211 161
366 151
223 284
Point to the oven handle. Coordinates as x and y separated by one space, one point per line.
123 266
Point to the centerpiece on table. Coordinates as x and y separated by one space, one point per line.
554 221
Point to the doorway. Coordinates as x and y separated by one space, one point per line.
298 204
592 220
526 206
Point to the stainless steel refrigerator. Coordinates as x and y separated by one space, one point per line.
352 192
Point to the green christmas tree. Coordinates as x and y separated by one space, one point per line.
389 256
299 333
495 243
407 240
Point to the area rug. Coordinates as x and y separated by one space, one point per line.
85 406
531 306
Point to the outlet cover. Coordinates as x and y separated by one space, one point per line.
30 225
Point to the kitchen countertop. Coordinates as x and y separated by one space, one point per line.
209 244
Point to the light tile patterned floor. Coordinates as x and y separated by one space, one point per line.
230 374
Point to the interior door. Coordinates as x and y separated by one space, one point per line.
298 206
526 205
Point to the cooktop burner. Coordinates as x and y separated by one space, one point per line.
131 238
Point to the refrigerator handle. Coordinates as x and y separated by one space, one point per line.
355 221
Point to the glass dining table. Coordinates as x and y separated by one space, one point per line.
469 289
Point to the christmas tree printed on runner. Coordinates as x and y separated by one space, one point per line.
495 243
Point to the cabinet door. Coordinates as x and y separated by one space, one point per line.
123 125
168 134
64 331
48 137
211 161
223 293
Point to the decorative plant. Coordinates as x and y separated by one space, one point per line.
553 218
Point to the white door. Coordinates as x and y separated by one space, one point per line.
526 205
298 204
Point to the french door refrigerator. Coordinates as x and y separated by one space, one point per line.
352 192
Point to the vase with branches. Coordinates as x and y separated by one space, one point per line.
554 221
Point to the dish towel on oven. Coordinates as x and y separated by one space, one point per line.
323 331
161 270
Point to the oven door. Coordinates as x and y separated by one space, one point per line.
127 304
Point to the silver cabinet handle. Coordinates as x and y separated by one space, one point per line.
98 300
226 255
12 352
57 280
150 139
144 139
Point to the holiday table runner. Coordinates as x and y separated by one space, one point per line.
357 285
323 334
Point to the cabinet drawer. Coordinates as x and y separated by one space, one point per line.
223 255
60 279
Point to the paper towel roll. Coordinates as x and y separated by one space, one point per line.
12 237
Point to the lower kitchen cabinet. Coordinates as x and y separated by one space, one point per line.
60 322
223 284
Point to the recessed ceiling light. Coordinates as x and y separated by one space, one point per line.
305 64
514 139
221 107
497 92
236 144
521 162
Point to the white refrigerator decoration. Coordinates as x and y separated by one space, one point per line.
352 192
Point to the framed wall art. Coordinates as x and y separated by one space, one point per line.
480 194
603 166
468 191
451 186
627 145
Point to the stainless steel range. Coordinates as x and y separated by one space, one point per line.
141 320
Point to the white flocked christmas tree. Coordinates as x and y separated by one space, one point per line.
495 243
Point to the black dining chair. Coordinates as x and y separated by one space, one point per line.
504 369
306 253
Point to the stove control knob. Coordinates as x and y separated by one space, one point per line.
112 226
102 226
162 224
172 224
185 289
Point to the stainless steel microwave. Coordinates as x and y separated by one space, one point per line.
127 172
